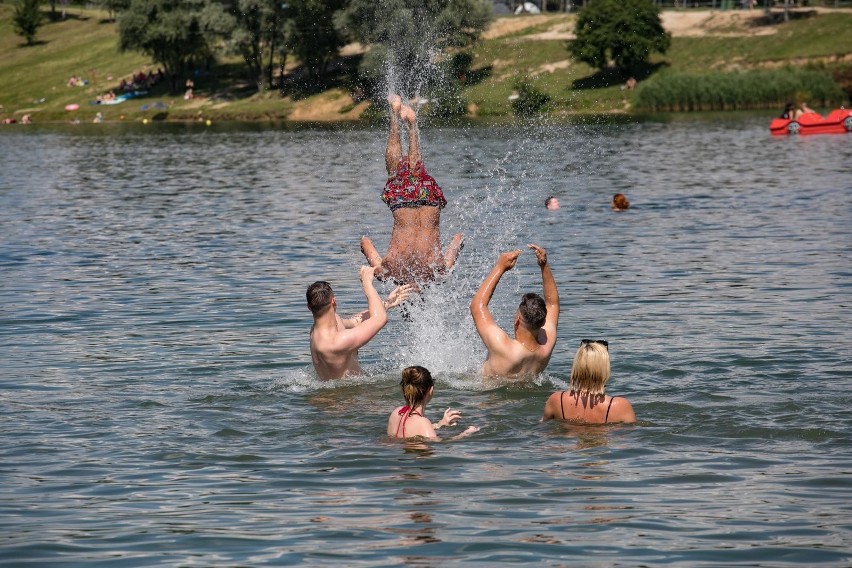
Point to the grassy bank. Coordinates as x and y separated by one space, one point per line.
34 79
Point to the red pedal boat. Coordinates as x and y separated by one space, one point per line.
837 122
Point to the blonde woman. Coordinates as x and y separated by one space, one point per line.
585 401
410 421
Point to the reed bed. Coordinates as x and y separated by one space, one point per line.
756 89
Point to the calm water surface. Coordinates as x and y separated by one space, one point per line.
157 405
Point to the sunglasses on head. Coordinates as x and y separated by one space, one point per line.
603 342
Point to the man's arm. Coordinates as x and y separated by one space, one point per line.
551 294
491 334
376 318
395 298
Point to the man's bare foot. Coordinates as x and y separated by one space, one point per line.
395 103
408 115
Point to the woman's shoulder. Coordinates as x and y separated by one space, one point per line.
620 410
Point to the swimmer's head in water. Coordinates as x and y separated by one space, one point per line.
551 203
619 202
590 370
416 383
319 296
533 311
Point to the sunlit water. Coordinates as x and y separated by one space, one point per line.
158 405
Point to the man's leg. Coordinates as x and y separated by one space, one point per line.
407 114
393 152
453 251
370 252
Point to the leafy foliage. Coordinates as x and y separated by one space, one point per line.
624 31
530 99
311 33
177 34
113 7
27 19
257 34
761 88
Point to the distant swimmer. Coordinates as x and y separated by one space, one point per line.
415 200
619 202
552 203
335 341
585 401
536 321
410 421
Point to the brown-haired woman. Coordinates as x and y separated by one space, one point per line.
410 421
585 401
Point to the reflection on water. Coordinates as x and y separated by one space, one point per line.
159 403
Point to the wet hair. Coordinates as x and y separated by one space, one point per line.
416 382
319 296
533 310
619 201
590 370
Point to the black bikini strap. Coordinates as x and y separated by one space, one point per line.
560 404
607 409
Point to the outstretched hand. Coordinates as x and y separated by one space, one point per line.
508 260
367 273
450 418
399 295
540 254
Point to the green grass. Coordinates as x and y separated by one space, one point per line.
86 45
34 79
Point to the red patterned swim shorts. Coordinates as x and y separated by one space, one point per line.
412 187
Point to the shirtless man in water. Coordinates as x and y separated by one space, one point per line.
536 320
415 200
335 341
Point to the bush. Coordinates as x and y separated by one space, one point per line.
763 88
531 100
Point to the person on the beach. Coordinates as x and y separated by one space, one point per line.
536 321
585 401
415 200
410 421
335 341
619 202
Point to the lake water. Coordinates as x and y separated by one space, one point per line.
158 405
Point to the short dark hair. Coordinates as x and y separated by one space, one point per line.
319 296
533 310
548 200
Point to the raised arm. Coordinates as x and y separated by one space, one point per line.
376 317
551 294
487 328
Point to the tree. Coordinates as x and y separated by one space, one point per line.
27 19
408 36
257 35
311 34
113 7
176 34
626 32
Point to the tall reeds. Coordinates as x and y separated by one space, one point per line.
756 89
